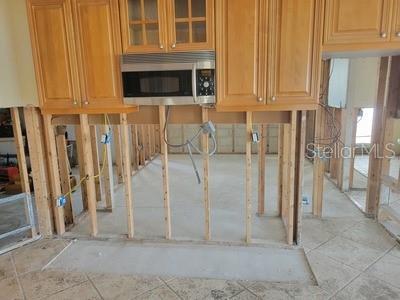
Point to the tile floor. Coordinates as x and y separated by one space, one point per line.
352 257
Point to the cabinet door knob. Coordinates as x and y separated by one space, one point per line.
383 35
173 46
75 102
161 46
398 33
260 99
273 98
86 102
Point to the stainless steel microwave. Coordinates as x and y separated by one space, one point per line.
169 78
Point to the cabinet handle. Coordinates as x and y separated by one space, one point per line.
173 46
86 102
161 46
273 98
75 102
398 33
260 99
383 35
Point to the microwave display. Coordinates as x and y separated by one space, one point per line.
157 83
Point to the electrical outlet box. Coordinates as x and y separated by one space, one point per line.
255 137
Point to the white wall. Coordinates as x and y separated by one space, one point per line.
17 77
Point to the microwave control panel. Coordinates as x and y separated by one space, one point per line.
205 82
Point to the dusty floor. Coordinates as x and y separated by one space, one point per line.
352 257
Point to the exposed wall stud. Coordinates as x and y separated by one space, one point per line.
206 163
261 168
249 129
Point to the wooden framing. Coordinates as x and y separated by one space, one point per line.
319 133
134 152
353 143
262 145
79 147
22 167
34 134
142 145
89 172
164 167
96 164
107 175
127 173
63 163
377 139
54 174
206 163
118 154
249 130
280 167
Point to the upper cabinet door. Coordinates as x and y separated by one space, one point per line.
99 49
356 21
295 51
143 25
241 51
52 45
396 21
191 25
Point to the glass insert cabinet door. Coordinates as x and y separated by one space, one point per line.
143 25
191 24
167 25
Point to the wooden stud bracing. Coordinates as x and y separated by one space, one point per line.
262 145
22 167
79 148
54 174
249 129
96 163
116 138
206 164
164 166
36 155
89 172
107 175
127 173
63 163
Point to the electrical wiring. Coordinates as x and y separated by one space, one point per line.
189 144
104 153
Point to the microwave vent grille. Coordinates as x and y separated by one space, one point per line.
162 58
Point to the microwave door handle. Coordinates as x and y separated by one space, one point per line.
194 83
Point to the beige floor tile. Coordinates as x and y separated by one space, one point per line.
365 287
9 289
38 285
387 269
273 291
245 295
84 291
35 256
6 266
205 288
395 251
160 293
350 253
114 286
330 274
370 234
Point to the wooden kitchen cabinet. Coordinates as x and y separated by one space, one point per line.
143 25
54 54
167 25
361 25
76 46
268 54
99 48
395 33
191 25
295 58
241 52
